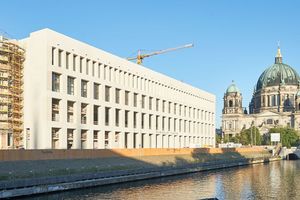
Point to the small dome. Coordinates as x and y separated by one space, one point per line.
232 88
277 74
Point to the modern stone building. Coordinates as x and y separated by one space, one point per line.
79 97
275 101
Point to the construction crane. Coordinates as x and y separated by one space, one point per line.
140 57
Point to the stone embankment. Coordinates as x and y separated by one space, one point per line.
42 171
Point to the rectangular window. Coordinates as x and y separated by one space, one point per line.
143 101
87 67
55 110
74 63
150 121
127 98
107 93
117 117
96 90
135 99
169 107
80 64
117 100
126 118
107 116
55 138
93 68
157 104
84 86
84 108
70 111
143 119
99 70
55 82
163 105
134 119
70 85
96 118
67 60
59 57
52 55
150 103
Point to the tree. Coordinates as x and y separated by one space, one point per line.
250 136
289 136
218 138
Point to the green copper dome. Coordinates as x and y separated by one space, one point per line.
232 88
277 74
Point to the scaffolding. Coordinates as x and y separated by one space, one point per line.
11 94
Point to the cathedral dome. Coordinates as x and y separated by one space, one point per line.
277 74
232 88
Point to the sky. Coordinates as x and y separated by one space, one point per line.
233 40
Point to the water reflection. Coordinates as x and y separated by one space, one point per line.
277 180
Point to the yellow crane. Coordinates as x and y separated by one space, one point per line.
139 58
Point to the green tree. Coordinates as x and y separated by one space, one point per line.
250 136
289 136
218 138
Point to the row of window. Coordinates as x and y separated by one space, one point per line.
94 68
130 140
160 105
163 123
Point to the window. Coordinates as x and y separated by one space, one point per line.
80 64
70 85
70 133
52 55
59 57
157 104
96 115
150 103
55 110
84 108
126 118
70 111
118 95
134 119
74 63
143 101
135 99
143 119
55 138
156 122
96 90
107 116
87 67
175 105
83 139
150 121
107 93
126 97
67 60
169 107
163 105
93 68
84 85
55 82
117 117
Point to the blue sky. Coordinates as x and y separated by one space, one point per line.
234 40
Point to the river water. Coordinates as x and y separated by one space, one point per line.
276 180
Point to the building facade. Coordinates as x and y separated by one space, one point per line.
275 101
79 97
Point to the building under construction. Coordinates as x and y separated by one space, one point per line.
11 101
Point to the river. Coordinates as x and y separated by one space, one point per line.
276 180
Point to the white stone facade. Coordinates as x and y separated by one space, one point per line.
79 97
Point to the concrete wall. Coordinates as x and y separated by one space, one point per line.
18 155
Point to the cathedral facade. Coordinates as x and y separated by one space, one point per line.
275 101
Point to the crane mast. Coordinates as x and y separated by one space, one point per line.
139 58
